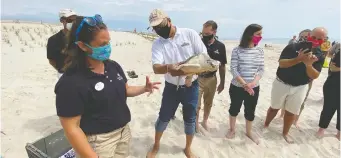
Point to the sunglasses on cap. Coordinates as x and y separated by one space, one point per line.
91 21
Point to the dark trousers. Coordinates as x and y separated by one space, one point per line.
331 94
238 95
171 98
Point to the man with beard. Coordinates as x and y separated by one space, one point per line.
208 81
297 68
56 43
174 46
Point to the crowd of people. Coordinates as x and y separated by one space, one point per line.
92 90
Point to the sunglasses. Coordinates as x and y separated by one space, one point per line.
69 20
91 21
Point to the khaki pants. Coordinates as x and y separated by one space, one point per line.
207 89
114 144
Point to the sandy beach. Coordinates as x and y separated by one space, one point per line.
28 110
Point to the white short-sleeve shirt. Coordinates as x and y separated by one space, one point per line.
186 43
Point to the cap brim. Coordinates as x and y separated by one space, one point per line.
156 22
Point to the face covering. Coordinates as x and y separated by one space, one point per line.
163 31
207 38
100 53
316 42
302 39
256 39
68 26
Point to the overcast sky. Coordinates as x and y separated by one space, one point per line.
280 18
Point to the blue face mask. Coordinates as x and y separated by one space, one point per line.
100 53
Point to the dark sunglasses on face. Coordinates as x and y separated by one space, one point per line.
69 20
91 21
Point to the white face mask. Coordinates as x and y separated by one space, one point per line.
68 26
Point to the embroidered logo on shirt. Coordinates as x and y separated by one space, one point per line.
99 86
184 44
216 51
119 77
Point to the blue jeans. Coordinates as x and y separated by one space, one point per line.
171 98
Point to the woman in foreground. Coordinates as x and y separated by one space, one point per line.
247 68
331 94
91 95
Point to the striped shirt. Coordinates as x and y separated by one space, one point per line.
246 63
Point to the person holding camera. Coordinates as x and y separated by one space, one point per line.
297 68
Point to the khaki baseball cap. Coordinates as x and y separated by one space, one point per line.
156 17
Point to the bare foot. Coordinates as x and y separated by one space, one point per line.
204 124
253 138
152 153
189 153
288 139
230 134
320 133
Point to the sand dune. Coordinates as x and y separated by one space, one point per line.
28 104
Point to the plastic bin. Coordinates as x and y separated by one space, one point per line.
52 146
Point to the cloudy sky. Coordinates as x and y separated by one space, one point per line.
280 18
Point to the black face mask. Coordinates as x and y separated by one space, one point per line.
207 38
163 31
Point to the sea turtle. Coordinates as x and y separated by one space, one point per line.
197 64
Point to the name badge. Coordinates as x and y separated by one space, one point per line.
99 86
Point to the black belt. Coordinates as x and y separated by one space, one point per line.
195 82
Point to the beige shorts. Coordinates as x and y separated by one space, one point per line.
207 89
288 97
114 144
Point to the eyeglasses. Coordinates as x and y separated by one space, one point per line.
91 21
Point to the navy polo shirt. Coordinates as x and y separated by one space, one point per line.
296 75
100 99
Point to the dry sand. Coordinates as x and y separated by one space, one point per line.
28 104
